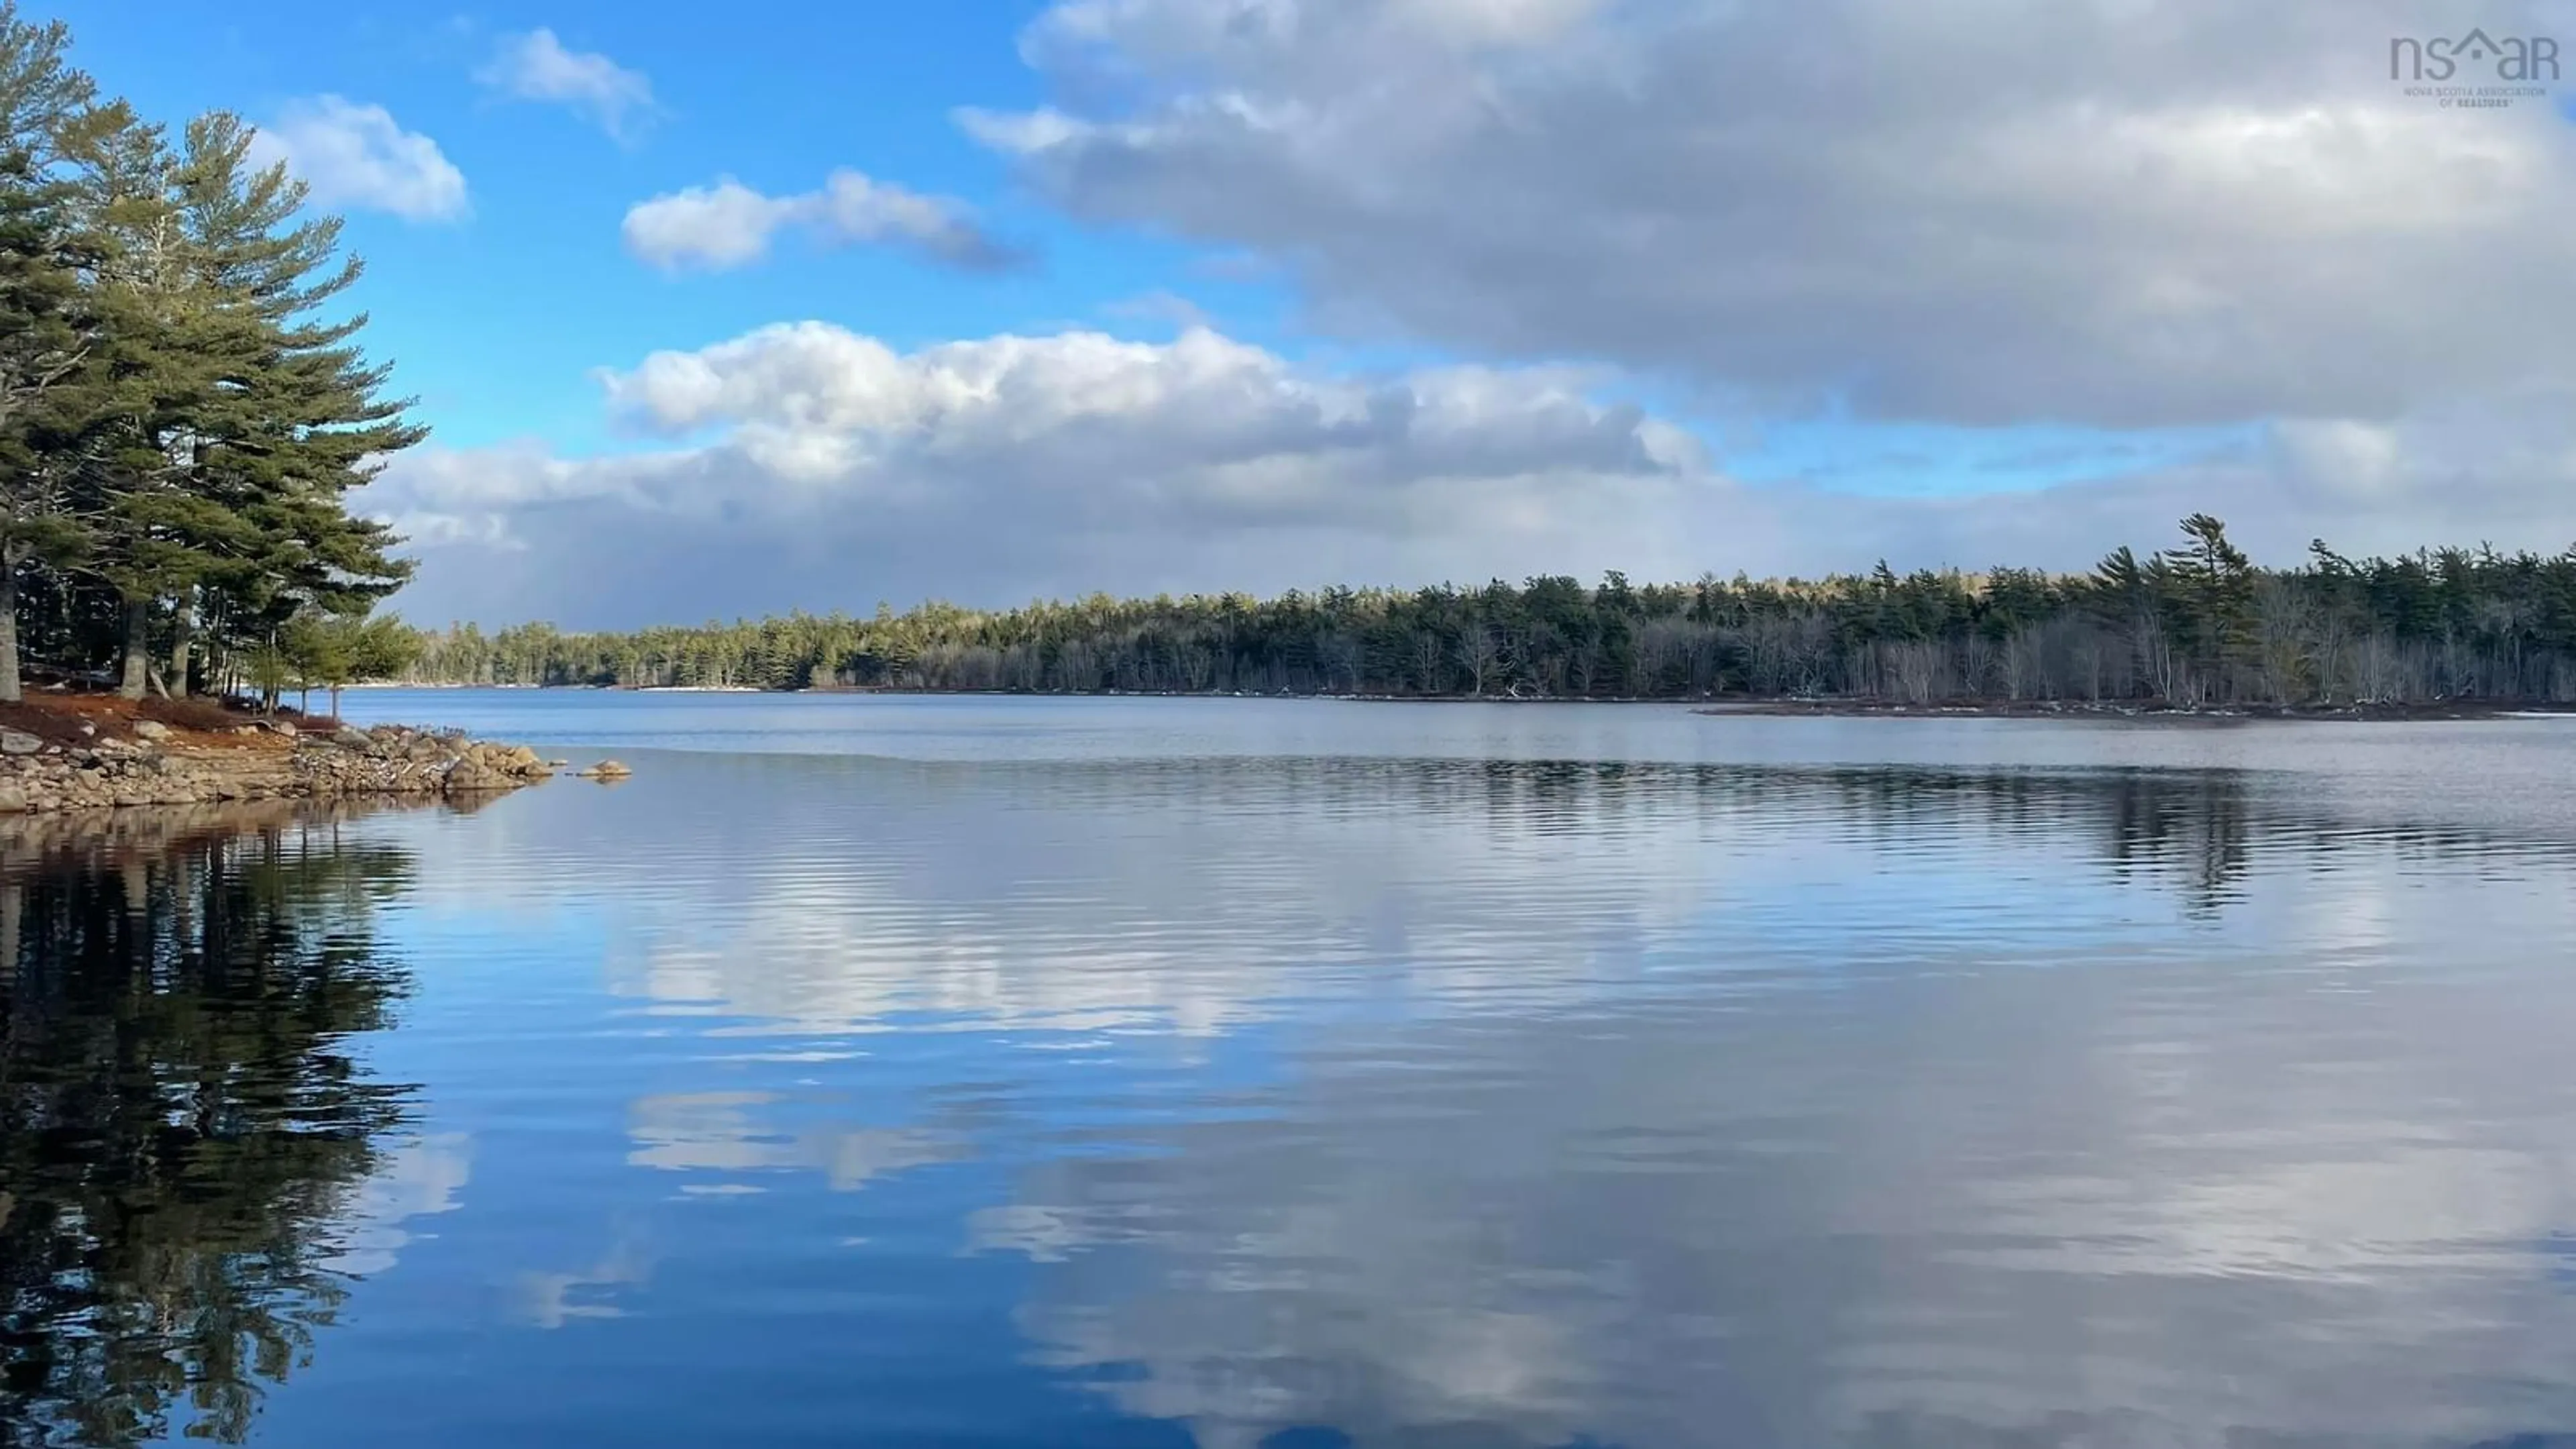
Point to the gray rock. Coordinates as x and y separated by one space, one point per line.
151 729
19 742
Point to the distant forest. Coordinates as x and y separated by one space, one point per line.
2189 626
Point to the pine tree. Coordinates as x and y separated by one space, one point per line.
306 421
165 380
2214 588
47 112
229 421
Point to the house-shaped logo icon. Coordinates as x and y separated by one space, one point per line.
2509 58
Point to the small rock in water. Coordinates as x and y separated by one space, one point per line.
18 742
606 770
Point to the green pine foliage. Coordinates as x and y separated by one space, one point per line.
183 407
2195 625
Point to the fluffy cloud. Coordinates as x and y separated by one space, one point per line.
729 224
809 465
537 67
2114 213
804 465
357 156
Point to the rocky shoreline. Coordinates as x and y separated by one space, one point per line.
161 766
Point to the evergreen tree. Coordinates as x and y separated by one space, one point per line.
2213 588
47 111
305 420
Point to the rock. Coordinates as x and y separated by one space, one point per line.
13 800
470 776
606 770
19 742
88 729
151 729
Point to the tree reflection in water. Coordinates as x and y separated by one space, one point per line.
182 1124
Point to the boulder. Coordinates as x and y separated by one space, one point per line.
472 775
151 729
13 800
606 770
19 742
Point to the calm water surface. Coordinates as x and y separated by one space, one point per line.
1270 1073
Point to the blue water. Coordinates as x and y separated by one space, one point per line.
1256 1072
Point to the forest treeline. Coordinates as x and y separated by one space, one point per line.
2192 625
183 402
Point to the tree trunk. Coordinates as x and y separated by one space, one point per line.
183 633
138 648
11 690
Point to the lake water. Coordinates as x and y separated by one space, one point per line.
1296 1073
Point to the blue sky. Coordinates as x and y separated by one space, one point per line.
1490 287
497 322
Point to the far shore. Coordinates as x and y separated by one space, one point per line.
1714 705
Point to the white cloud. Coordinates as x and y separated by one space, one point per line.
2119 214
353 155
719 226
729 224
537 67
799 457
804 465
993 469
